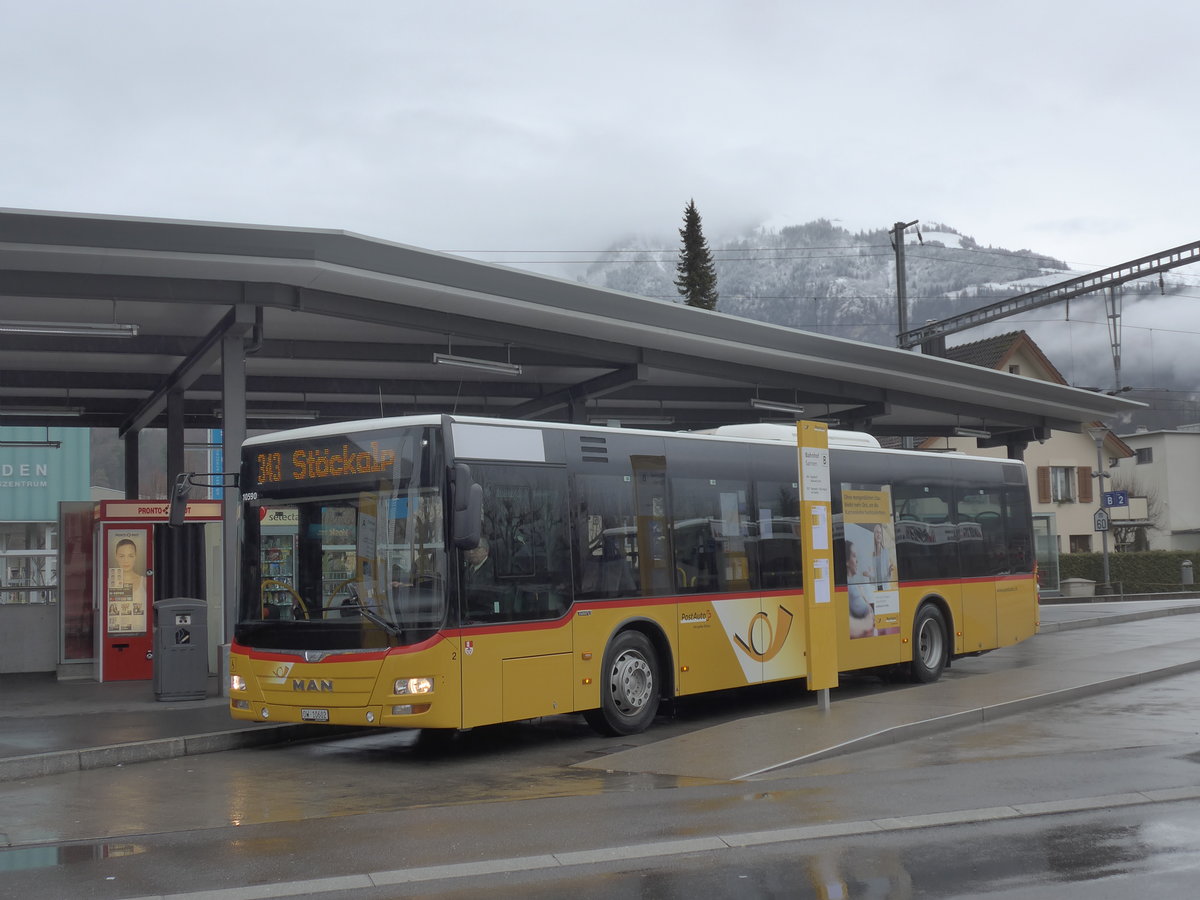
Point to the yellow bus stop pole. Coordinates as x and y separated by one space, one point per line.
816 537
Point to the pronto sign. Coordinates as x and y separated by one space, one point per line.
156 510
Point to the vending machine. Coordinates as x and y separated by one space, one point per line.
126 592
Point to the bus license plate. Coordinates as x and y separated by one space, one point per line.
314 715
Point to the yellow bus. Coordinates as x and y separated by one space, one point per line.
447 572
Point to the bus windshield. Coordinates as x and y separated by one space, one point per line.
344 542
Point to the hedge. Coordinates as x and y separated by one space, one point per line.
1148 572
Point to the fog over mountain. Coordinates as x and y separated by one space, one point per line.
820 277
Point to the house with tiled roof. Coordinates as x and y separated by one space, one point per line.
1065 488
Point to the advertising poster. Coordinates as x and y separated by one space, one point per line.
127 583
870 560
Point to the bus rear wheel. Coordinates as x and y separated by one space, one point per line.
628 686
930 646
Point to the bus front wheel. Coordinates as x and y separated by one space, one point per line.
628 686
929 645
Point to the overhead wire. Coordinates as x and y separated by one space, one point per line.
724 254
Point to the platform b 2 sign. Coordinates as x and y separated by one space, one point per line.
1115 498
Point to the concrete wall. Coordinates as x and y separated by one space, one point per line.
28 637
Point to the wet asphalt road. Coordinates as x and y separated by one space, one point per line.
376 803
1148 852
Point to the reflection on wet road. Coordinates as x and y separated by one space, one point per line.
373 771
1152 852
50 857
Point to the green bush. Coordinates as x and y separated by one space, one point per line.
1149 572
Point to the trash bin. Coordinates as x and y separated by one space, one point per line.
180 649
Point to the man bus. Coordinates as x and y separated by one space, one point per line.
624 567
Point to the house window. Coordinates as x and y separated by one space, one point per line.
1062 483
1145 455
1081 543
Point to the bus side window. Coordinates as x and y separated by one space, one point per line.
525 527
982 547
926 536
1016 526
711 533
778 557
606 538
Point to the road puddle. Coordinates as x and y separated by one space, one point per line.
21 858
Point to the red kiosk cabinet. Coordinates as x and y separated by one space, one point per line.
124 588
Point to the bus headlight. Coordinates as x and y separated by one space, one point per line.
237 683
414 686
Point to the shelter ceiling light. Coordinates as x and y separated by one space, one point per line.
74 329
790 408
52 444
481 365
65 412
284 415
960 431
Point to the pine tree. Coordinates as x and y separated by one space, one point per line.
697 281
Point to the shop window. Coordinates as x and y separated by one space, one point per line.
28 563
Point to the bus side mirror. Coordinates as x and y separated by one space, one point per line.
177 511
468 508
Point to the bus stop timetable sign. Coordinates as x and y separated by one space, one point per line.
820 629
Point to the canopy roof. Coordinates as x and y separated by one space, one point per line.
339 326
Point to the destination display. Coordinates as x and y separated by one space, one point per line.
337 458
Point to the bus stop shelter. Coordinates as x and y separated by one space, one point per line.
131 323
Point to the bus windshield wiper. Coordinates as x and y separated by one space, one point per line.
354 601
371 616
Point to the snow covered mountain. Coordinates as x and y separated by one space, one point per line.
820 277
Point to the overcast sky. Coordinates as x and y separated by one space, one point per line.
1063 126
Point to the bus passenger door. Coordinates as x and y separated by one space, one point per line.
720 611
514 592
980 533
1016 596
778 637
775 637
